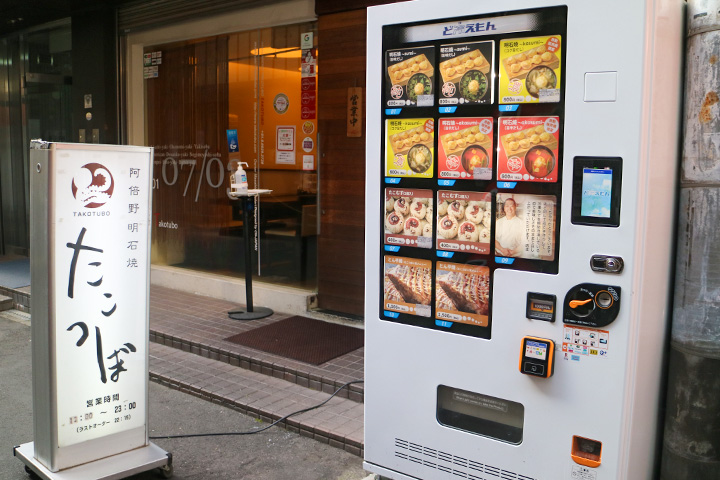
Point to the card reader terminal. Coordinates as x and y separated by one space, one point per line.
537 357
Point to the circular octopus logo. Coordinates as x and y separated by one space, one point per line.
92 185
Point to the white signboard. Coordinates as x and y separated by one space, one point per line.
100 283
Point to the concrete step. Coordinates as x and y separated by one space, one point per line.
338 423
200 325
6 303
324 380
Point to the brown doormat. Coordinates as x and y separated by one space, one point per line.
304 339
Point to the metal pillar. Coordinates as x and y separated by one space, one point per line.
691 444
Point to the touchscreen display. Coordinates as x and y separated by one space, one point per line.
596 193
536 350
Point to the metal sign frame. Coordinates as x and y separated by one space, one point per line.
68 182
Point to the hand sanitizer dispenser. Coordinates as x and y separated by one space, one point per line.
238 180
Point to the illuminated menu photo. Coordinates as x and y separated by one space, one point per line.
462 293
531 71
410 74
409 217
407 286
464 221
466 73
409 148
525 226
528 149
465 149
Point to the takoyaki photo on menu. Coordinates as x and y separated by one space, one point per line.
409 217
464 221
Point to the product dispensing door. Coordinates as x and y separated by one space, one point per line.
521 161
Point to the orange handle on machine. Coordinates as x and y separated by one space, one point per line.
577 303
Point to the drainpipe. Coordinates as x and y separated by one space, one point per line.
691 443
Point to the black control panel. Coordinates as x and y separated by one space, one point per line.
591 305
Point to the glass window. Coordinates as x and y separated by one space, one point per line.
35 102
261 84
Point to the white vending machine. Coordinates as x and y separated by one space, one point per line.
521 177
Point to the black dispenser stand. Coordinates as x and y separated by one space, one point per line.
250 312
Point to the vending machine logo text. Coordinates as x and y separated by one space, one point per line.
468 28
93 185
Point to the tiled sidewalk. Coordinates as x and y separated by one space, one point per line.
339 422
188 351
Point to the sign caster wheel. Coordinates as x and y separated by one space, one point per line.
166 471
31 473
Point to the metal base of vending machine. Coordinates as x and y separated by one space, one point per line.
118 466
385 473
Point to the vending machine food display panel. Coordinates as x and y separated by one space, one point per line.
470 177
520 175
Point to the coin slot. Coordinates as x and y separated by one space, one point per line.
604 300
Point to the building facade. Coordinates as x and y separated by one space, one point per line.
277 85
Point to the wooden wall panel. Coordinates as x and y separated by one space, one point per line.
341 248
324 7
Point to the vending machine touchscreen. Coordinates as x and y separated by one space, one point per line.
519 196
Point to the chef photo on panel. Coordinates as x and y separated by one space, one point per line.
525 226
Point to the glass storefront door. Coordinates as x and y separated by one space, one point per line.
35 83
258 85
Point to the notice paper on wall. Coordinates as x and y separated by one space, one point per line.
285 145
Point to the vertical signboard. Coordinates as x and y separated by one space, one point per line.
91 218
101 205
